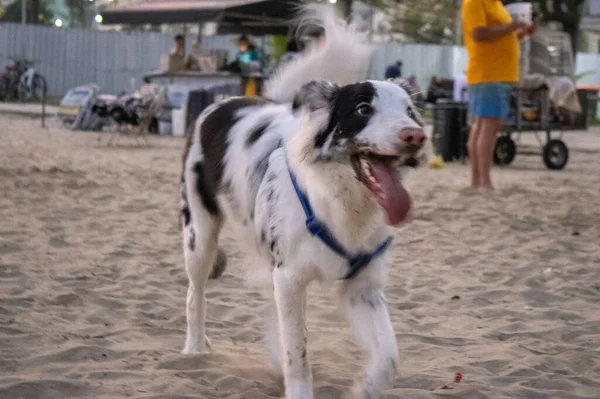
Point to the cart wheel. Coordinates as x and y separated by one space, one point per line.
505 151
556 154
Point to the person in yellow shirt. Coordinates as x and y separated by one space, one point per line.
492 42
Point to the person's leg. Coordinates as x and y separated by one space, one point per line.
493 109
474 110
472 148
486 143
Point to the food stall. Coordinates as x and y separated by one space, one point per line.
212 78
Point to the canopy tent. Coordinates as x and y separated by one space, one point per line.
256 17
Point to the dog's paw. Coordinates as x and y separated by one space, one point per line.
365 391
197 349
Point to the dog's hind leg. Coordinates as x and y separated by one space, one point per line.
368 315
201 227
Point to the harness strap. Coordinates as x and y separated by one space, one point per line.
357 262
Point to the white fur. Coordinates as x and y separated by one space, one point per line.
342 56
338 199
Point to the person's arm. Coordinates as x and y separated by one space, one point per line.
521 33
487 33
256 56
476 23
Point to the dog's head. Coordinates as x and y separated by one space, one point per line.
373 128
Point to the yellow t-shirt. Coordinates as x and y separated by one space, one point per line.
495 60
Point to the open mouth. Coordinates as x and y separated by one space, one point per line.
380 175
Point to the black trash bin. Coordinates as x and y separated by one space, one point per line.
197 101
450 130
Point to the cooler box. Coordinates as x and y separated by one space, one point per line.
178 122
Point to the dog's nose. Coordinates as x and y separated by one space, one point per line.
414 136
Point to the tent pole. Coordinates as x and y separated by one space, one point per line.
23 12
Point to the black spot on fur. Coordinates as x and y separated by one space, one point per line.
303 355
206 190
412 162
226 186
296 104
214 132
272 245
260 170
187 216
278 265
263 236
258 131
188 144
344 122
368 300
289 356
414 116
192 242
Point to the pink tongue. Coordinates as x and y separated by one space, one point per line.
395 199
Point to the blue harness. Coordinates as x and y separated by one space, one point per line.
356 262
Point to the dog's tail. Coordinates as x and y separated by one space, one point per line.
343 54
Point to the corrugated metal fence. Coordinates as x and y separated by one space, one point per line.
69 57
118 60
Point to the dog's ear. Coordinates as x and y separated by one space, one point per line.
404 84
315 95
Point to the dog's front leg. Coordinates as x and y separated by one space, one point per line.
370 322
290 297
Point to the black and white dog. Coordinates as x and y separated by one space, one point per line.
311 178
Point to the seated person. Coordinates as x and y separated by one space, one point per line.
179 46
191 62
247 52
394 71
435 90
247 58
146 91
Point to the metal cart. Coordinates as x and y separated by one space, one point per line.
531 111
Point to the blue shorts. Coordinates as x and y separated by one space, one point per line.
490 100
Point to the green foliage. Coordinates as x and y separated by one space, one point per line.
582 75
81 13
423 21
38 12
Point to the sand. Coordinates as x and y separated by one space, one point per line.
504 289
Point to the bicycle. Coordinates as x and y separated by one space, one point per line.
31 84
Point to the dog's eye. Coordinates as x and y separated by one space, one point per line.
364 109
410 112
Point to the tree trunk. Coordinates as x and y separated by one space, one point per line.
573 31
34 12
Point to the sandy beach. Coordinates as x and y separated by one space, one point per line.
504 289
